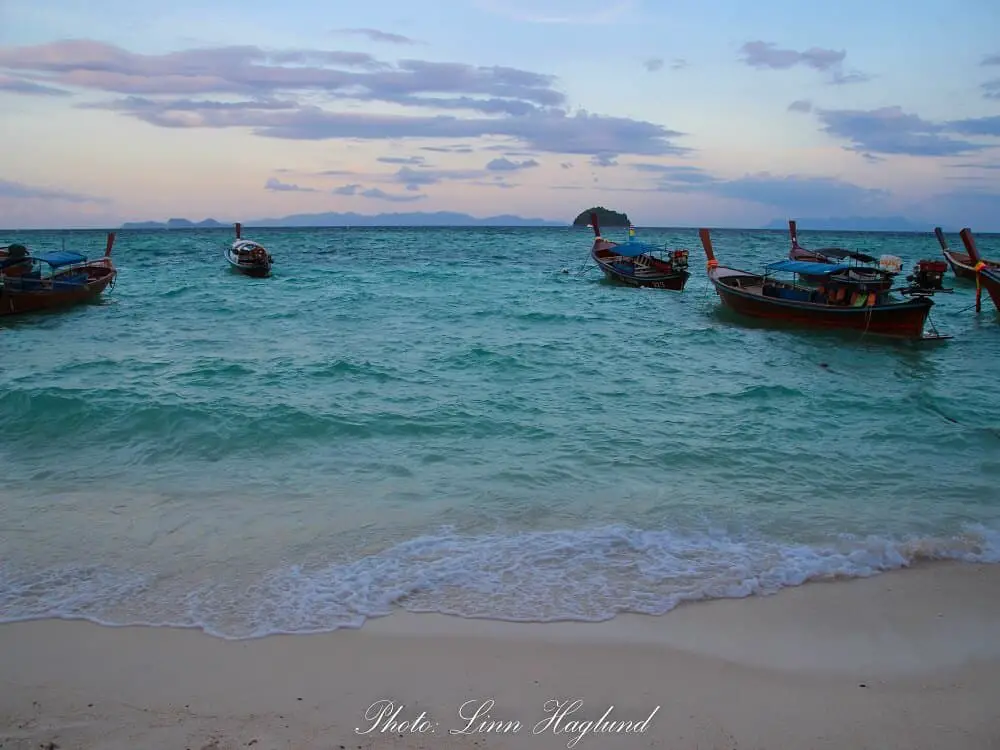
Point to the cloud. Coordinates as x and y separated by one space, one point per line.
989 126
793 194
19 191
653 64
676 175
889 130
991 89
759 54
840 79
974 166
765 55
603 160
284 187
381 195
508 151
378 36
249 87
497 182
991 60
413 178
969 207
800 105
21 86
186 113
401 159
347 189
375 194
448 149
506 165
797 194
582 133
244 70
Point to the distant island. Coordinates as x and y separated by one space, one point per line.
851 224
605 216
332 219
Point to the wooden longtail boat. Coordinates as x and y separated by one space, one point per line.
962 264
864 270
635 264
834 305
248 257
29 283
987 277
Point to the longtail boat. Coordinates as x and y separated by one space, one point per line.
962 264
248 257
29 283
835 304
987 277
636 263
866 268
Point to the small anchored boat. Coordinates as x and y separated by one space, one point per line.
29 283
962 264
248 257
837 303
636 263
865 268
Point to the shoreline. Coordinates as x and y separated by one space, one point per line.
906 658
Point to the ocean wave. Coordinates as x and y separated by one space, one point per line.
543 576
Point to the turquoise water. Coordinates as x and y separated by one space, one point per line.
469 421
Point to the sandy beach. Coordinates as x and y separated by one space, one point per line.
903 660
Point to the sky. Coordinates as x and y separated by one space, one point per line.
721 113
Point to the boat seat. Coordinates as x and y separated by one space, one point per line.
795 295
76 279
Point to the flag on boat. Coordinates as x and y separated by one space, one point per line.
631 231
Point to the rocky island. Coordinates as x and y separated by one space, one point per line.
605 216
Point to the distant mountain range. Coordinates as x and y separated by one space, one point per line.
454 219
853 224
331 219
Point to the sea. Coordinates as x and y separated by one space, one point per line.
470 421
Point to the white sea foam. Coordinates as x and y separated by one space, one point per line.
584 575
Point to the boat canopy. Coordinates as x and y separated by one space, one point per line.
839 252
59 258
807 268
634 249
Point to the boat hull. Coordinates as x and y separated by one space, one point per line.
256 270
989 280
904 319
675 281
651 273
58 291
963 266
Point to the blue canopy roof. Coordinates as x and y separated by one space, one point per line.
807 267
633 249
61 258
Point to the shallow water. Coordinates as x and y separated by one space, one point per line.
469 421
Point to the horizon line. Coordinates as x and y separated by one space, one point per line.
553 225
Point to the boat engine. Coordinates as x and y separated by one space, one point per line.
928 275
679 258
890 263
